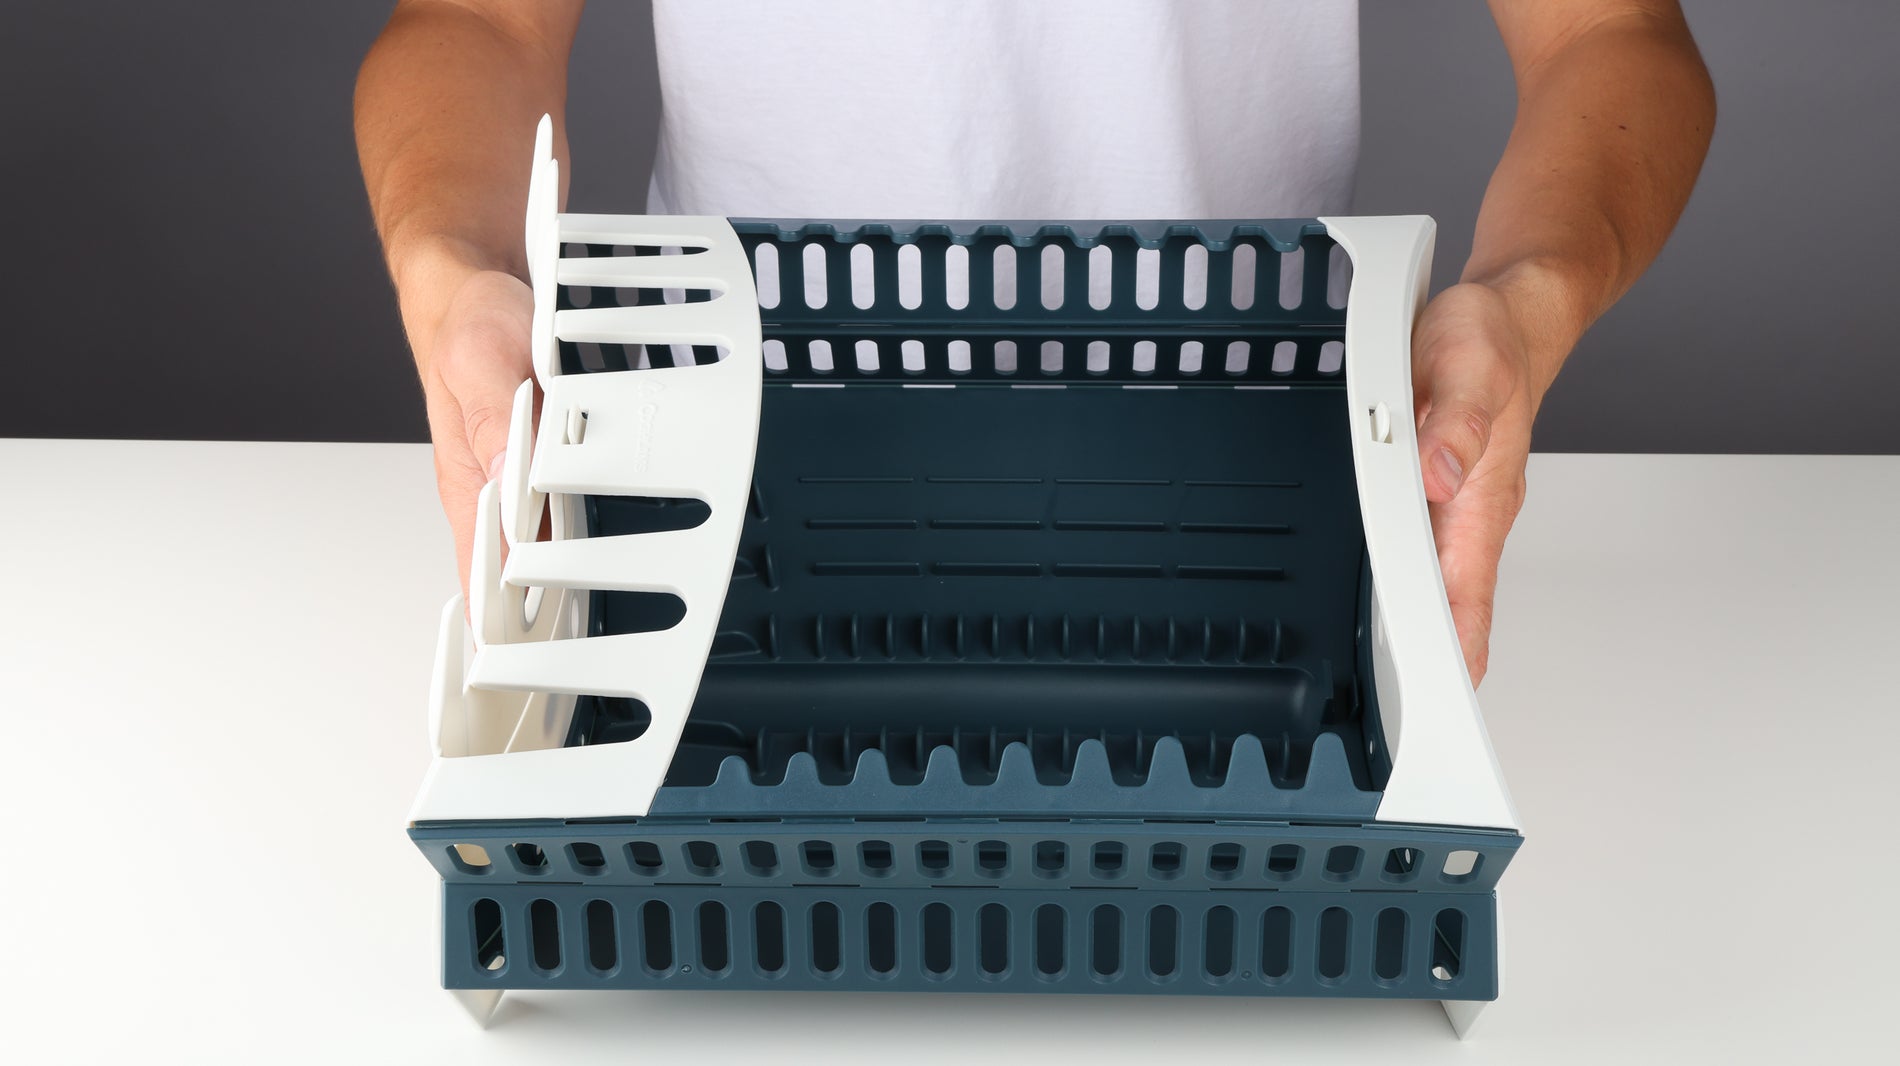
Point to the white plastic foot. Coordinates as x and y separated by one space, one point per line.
481 1002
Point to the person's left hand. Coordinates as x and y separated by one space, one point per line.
1475 400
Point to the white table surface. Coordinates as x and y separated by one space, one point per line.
213 660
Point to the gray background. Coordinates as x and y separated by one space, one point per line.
189 254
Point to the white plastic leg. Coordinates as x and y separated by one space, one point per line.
479 1002
1464 1014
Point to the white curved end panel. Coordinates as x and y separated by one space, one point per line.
1443 769
685 431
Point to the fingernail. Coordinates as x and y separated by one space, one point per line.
1448 469
494 465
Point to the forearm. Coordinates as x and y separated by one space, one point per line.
446 104
1612 126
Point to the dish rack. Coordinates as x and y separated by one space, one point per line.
983 607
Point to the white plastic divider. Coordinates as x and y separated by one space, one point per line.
1443 769
684 432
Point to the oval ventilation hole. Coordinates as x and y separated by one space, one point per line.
1164 941
816 289
768 938
1217 948
956 277
880 937
827 936
939 939
992 929
1244 258
603 938
1276 943
1388 949
544 935
1105 940
1335 932
656 936
715 939
491 948
765 273
1051 940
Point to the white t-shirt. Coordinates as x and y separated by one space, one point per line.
990 109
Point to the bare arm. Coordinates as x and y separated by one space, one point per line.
446 105
1615 110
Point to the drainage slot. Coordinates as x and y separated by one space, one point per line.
702 858
1335 930
1052 856
644 857
992 858
1448 945
490 946
875 857
768 937
1283 861
761 858
715 950
827 939
1276 943
933 856
880 936
939 938
992 928
1164 941
544 933
603 941
1217 949
656 936
1105 940
1165 860
1051 940
1223 862
1388 955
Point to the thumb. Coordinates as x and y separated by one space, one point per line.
1463 394
484 359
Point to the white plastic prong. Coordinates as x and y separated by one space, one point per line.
521 506
448 727
486 594
543 149
544 258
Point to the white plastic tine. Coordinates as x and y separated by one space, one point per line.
696 323
643 272
687 232
631 562
544 257
448 729
485 592
642 666
543 150
521 506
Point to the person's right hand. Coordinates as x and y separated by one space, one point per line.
478 357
